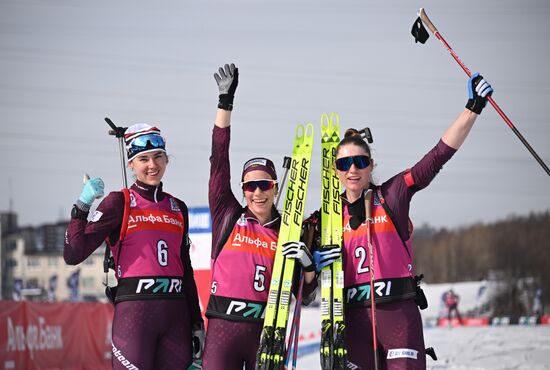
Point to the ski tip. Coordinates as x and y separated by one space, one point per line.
299 130
334 119
309 129
325 119
304 131
330 121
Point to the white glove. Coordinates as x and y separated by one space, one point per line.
299 251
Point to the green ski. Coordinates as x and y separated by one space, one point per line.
271 353
333 351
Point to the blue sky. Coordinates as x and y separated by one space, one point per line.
66 65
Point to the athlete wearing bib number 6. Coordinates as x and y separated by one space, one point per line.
244 241
157 313
400 337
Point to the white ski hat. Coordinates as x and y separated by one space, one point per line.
143 138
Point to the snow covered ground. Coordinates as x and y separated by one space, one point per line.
479 348
490 347
460 348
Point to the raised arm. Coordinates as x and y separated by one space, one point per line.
223 204
83 238
79 244
399 189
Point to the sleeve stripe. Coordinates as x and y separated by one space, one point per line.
407 176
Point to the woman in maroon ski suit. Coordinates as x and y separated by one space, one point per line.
400 340
157 313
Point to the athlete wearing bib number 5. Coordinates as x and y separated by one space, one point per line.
157 311
398 323
244 241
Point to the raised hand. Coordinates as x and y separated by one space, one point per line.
92 190
478 91
227 79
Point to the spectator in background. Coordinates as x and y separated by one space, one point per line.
480 295
16 292
537 302
52 287
451 302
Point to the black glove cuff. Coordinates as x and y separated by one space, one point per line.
476 105
79 214
226 102
310 268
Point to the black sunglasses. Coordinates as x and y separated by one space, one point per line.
264 185
360 161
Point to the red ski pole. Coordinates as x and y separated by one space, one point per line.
424 18
368 211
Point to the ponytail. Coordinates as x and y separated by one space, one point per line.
352 136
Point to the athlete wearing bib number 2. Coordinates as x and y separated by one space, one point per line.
157 313
400 340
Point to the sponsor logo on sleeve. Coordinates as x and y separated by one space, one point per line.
174 205
96 216
241 221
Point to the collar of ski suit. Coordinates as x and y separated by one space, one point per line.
275 218
151 193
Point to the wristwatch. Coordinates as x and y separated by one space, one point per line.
78 214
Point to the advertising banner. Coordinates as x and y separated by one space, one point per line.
43 335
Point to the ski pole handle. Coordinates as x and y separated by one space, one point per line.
286 163
110 123
115 131
422 14
118 132
368 205
286 166
366 135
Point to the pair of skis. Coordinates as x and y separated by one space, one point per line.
333 350
272 352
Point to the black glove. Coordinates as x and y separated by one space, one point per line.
227 79
478 91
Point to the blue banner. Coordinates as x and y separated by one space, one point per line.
199 220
